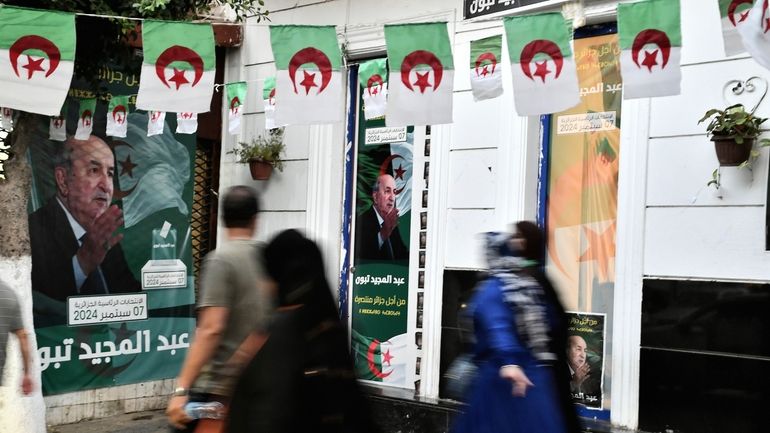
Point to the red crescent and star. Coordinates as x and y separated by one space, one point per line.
734 6
399 170
655 37
538 46
488 57
421 57
126 167
317 57
178 53
373 365
34 42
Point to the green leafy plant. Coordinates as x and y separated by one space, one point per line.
262 148
734 122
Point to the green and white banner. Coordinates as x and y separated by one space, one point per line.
542 65
37 58
178 68
57 126
420 59
117 116
755 33
86 110
651 48
123 315
734 13
486 73
309 79
236 100
373 78
268 100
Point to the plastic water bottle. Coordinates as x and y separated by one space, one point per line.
209 410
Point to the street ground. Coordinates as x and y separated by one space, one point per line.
137 422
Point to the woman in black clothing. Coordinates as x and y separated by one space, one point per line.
302 379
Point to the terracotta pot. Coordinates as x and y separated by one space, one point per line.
730 153
260 170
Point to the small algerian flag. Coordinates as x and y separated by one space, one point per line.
755 33
6 118
734 13
186 123
156 122
117 115
420 59
373 77
236 99
85 118
651 43
57 127
401 164
309 79
542 65
178 68
37 57
152 172
486 74
268 97
385 361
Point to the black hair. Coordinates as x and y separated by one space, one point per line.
239 207
535 242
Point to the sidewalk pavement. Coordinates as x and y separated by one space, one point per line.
137 422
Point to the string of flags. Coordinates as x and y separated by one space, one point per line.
413 86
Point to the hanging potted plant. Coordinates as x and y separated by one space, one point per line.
733 131
262 154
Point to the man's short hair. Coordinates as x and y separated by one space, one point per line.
63 151
376 185
240 206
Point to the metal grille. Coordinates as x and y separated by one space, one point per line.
203 218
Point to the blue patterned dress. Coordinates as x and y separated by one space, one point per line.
491 406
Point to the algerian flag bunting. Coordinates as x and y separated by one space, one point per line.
734 13
117 114
309 79
386 361
156 122
178 67
85 118
373 77
542 65
420 59
57 126
186 123
486 73
37 57
268 98
152 172
6 118
651 44
236 98
755 33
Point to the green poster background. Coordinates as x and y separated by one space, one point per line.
170 318
380 287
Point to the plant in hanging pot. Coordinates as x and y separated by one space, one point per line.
262 154
734 131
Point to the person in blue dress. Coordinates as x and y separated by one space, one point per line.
516 388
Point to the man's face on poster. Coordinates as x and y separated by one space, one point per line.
385 196
85 185
576 351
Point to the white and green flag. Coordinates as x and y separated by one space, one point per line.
186 123
755 33
117 116
57 126
401 163
156 123
268 99
6 118
421 74
386 361
651 45
37 57
236 100
486 73
152 172
309 79
178 67
542 63
734 13
85 118
373 77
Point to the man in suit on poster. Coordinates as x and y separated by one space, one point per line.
377 235
583 381
74 249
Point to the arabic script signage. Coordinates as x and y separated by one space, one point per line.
477 8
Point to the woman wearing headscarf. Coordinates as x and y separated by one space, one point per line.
515 388
302 379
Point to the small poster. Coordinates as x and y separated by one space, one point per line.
585 356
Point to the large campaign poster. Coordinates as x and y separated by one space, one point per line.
383 349
583 185
110 307
585 357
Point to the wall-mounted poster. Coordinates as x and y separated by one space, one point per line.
383 350
585 356
109 223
